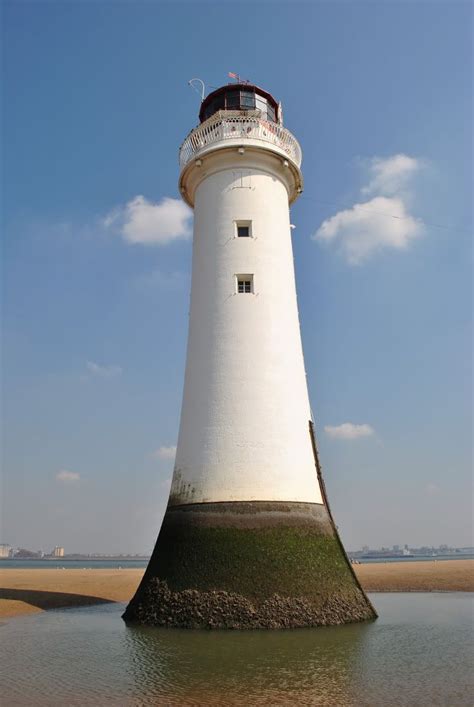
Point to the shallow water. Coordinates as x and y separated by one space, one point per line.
419 652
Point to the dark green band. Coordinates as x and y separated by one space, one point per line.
272 564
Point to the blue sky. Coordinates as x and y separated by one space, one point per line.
96 104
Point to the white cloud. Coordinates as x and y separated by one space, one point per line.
432 490
103 371
382 222
148 223
67 477
348 430
165 453
390 176
366 228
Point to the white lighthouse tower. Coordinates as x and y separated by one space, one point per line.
247 527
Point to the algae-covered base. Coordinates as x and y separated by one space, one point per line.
248 565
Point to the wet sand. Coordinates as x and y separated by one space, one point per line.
26 591
412 576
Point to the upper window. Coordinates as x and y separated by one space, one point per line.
247 99
232 100
271 113
243 229
261 103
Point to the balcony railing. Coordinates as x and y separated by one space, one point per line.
225 126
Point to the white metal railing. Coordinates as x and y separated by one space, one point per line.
225 125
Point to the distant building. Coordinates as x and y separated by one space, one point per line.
24 554
5 551
58 551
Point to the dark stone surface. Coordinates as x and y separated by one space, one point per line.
248 565
159 606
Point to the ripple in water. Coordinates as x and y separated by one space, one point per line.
419 652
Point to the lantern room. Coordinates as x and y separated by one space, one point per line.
240 97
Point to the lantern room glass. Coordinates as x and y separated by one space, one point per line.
241 99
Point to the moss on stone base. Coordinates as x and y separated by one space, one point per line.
248 565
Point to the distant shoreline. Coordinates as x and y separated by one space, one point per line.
79 558
141 561
26 591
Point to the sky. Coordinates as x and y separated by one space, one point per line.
97 255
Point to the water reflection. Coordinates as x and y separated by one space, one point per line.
307 666
419 652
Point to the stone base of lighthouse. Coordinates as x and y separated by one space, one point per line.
247 565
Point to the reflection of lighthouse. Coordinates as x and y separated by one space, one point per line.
247 525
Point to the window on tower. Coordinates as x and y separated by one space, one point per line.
243 229
233 100
271 113
244 284
247 100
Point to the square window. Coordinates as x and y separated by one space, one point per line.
261 105
243 229
247 100
232 100
244 284
271 113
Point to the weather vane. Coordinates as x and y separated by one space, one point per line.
232 75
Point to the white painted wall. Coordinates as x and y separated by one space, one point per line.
244 422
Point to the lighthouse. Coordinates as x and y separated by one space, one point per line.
248 539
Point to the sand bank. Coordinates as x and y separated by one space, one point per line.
412 576
25 591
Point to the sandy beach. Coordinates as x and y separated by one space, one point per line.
26 591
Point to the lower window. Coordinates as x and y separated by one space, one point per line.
244 284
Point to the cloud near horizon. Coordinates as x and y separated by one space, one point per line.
432 490
165 453
382 222
67 477
140 221
103 371
348 430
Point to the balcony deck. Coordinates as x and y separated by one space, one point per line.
238 126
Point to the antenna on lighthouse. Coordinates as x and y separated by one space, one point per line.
203 88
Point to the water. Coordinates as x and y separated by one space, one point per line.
142 563
419 652
417 558
73 564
